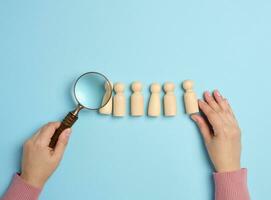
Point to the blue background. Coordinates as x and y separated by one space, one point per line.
45 45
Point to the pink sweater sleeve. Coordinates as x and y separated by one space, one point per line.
228 186
20 190
231 185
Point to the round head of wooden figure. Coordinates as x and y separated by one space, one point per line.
155 87
169 87
119 87
136 86
188 84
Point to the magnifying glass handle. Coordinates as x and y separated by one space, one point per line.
68 121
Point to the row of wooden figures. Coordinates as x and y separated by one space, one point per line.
117 104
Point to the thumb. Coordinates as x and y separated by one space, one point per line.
62 143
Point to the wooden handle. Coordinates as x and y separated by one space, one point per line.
68 121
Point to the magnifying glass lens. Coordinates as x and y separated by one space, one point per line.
92 90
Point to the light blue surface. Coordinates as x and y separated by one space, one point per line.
45 45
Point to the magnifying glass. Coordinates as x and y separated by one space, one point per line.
92 91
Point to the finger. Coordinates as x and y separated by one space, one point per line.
220 100
212 116
229 107
211 101
218 97
34 137
203 127
47 132
62 143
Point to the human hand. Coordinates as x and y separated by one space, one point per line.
220 131
40 161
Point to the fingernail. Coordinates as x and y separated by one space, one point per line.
208 93
194 118
218 93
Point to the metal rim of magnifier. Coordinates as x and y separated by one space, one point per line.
97 73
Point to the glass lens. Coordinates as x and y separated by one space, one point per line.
92 90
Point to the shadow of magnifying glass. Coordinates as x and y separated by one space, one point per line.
92 91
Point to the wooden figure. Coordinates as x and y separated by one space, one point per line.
170 103
107 109
190 98
137 100
154 108
119 101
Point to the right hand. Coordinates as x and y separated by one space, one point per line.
220 131
39 160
